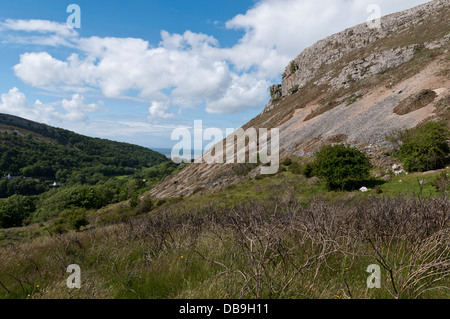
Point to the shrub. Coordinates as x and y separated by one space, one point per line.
75 218
145 205
423 148
308 170
442 182
295 168
15 209
286 161
340 164
292 67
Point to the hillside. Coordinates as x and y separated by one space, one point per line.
356 86
225 231
42 153
50 173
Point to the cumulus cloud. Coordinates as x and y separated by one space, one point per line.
15 102
159 110
192 69
76 109
41 70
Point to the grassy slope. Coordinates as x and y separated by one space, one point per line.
199 247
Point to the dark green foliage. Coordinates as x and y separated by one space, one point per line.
76 218
292 67
15 209
84 196
94 173
340 165
73 218
144 206
158 172
423 148
308 170
295 168
21 186
71 158
286 161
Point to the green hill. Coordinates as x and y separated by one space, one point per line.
34 154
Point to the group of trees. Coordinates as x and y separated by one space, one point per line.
71 156
423 148
69 201
94 173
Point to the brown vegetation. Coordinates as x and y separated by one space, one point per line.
312 249
415 102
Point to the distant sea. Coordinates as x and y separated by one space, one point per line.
166 151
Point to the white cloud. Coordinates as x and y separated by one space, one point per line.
76 109
41 26
42 70
56 34
15 102
191 69
244 90
159 110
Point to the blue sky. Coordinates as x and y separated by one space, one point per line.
136 70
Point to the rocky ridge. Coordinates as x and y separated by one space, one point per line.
331 49
346 88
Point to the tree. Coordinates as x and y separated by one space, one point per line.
14 210
423 148
339 165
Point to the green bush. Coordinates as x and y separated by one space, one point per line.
292 67
295 168
340 165
424 148
15 209
145 205
75 218
308 170
286 161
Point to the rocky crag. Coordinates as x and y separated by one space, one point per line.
356 86
306 66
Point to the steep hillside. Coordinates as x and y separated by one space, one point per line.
40 152
356 86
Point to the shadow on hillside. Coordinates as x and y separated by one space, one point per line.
369 183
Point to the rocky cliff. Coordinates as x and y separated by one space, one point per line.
307 65
356 86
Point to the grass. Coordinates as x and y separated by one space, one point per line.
314 249
254 239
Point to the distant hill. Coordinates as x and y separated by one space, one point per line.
44 153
